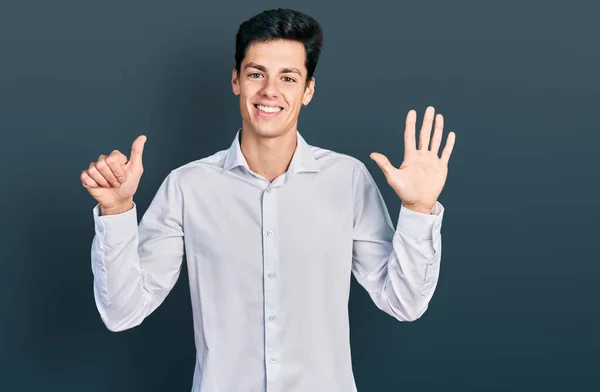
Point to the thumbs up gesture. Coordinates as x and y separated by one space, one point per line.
113 180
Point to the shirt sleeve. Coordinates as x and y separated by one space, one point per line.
135 267
399 267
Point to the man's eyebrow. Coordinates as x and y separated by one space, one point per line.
257 66
264 69
290 70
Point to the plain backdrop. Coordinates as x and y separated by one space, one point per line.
516 308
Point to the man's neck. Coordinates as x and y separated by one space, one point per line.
268 157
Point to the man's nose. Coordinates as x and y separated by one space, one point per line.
270 88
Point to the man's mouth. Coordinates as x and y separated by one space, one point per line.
268 111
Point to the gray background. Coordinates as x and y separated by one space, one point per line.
516 308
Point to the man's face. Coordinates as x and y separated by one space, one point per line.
272 87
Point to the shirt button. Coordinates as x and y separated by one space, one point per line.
272 317
271 275
272 359
269 190
270 233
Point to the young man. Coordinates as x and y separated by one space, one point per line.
272 230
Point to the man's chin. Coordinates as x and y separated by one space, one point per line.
268 131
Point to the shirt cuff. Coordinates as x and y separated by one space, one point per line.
419 225
117 227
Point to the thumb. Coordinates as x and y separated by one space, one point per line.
383 163
137 150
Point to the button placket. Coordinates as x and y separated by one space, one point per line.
271 285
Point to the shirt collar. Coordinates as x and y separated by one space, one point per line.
303 159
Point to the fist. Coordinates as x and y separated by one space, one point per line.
113 180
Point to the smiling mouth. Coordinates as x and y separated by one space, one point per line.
270 110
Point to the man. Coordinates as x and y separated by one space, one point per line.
272 230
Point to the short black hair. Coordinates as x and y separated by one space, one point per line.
283 24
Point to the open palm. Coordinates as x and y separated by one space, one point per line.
421 177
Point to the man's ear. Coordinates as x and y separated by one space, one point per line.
309 91
235 82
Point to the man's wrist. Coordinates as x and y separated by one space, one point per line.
119 209
420 209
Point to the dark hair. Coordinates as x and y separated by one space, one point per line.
283 24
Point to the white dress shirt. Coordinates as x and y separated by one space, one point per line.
269 266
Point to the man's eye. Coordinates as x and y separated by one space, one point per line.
288 79
254 75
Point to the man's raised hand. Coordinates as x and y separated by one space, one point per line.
113 180
421 177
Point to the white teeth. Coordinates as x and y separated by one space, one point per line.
268 109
